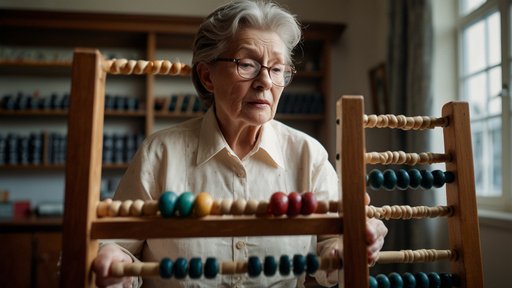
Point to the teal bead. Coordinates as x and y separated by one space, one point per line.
427 180
439 178
422 280
166 268
373 282
284 265
446 280
383 281
402 179
195 268
396 280
409 280
450 177
299 264
415 178
180 268
312 263
254 266
389 179
184 204
375 179
434 279
211 268
167 203
269 266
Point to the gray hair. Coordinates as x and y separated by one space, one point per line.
219 28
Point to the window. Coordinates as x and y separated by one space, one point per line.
484 38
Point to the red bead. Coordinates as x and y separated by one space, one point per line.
278 204
294 204
309 203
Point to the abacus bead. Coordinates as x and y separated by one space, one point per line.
278 204
409 280
389 179
166 268
427 180
421 280
446 280
375 179
309 203
195 268
269 266
402 179
299 264
284 265
449 176
312 263
383 281
439 178
294 204
254 266
434 279
211 268
415 178
167 203
180 268
184 204
203 204
396 280
373 282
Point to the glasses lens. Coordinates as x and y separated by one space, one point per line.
248 68
280 74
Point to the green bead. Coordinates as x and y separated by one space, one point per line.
409 280
434 279
254 266
211 268
415 177
284 265
195 268
184 204
383 281
269 266
402 179
396 280
427 180
439 178
180 268
373 282
389 179
167 203
312 263
166 268
421 280
299 264
375 179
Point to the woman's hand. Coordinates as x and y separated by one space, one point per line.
375 233
106 255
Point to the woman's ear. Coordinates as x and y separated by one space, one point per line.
203 71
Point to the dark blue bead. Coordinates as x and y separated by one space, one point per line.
396 280
409 280
284 265
373 282
375 179
184 204
211 268
402 179
312 263
166 268
439 178
427 180
415 177
180 268
446 280
450 177
269 266
434 279
389 179
195 268
383 281
421 280
167 203
254 266
299 264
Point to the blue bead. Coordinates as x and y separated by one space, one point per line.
312 263
180 268
383 281
396 280
211 268
434 279
409 280
269 266
389 179
402 179
375 179
450 177
184 204
446 280
427 180
254 266
373 282
422 280
166 268
195 268
167 203
415 178
439 178
299 264
284 265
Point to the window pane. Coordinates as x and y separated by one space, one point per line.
478 159
494 32
496 168
476 95
474 46
495 91
470 5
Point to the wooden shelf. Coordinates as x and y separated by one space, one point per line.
34 112
50 167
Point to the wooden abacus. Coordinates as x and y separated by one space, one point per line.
86 219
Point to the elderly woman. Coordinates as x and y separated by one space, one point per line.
242 63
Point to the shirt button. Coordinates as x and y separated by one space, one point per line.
240 174
239 245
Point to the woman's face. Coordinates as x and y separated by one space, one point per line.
239 101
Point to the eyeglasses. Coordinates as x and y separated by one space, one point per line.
280 74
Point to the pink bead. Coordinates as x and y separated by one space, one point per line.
278 204
309 203
294 204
